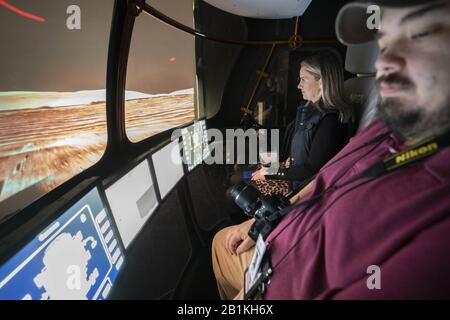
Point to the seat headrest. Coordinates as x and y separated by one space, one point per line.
360 58
357 89
364 94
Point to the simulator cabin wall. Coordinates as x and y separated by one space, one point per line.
316 23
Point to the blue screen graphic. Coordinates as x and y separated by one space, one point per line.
76 257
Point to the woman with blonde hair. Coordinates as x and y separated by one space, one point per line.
321 127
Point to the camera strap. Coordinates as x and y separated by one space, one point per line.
413 154
378 139
399 160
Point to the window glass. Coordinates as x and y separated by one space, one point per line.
52 94
160 73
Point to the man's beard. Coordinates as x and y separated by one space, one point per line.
401 121
412 122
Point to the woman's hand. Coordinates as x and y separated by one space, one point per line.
260 174
302 193
237 239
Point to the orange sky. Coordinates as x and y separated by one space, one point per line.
49 57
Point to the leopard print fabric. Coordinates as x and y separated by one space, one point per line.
269 187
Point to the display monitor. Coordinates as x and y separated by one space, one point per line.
77 257
195 144
132 200
205 143
168 167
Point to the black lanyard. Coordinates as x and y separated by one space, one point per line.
413 154
378 139
399 160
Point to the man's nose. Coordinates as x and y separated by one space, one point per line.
389 62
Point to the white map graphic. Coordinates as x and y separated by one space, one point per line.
57 277
77 257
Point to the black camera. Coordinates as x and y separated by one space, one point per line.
267 210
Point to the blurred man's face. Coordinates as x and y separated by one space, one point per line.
413 69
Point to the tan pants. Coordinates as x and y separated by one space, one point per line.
228 269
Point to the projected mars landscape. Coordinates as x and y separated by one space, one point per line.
48 137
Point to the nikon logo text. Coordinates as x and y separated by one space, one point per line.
416 153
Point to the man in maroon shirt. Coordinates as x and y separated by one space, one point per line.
381 236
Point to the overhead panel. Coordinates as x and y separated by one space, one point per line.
263 9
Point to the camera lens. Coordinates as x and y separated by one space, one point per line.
246 197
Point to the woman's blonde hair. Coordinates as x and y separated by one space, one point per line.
325 66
